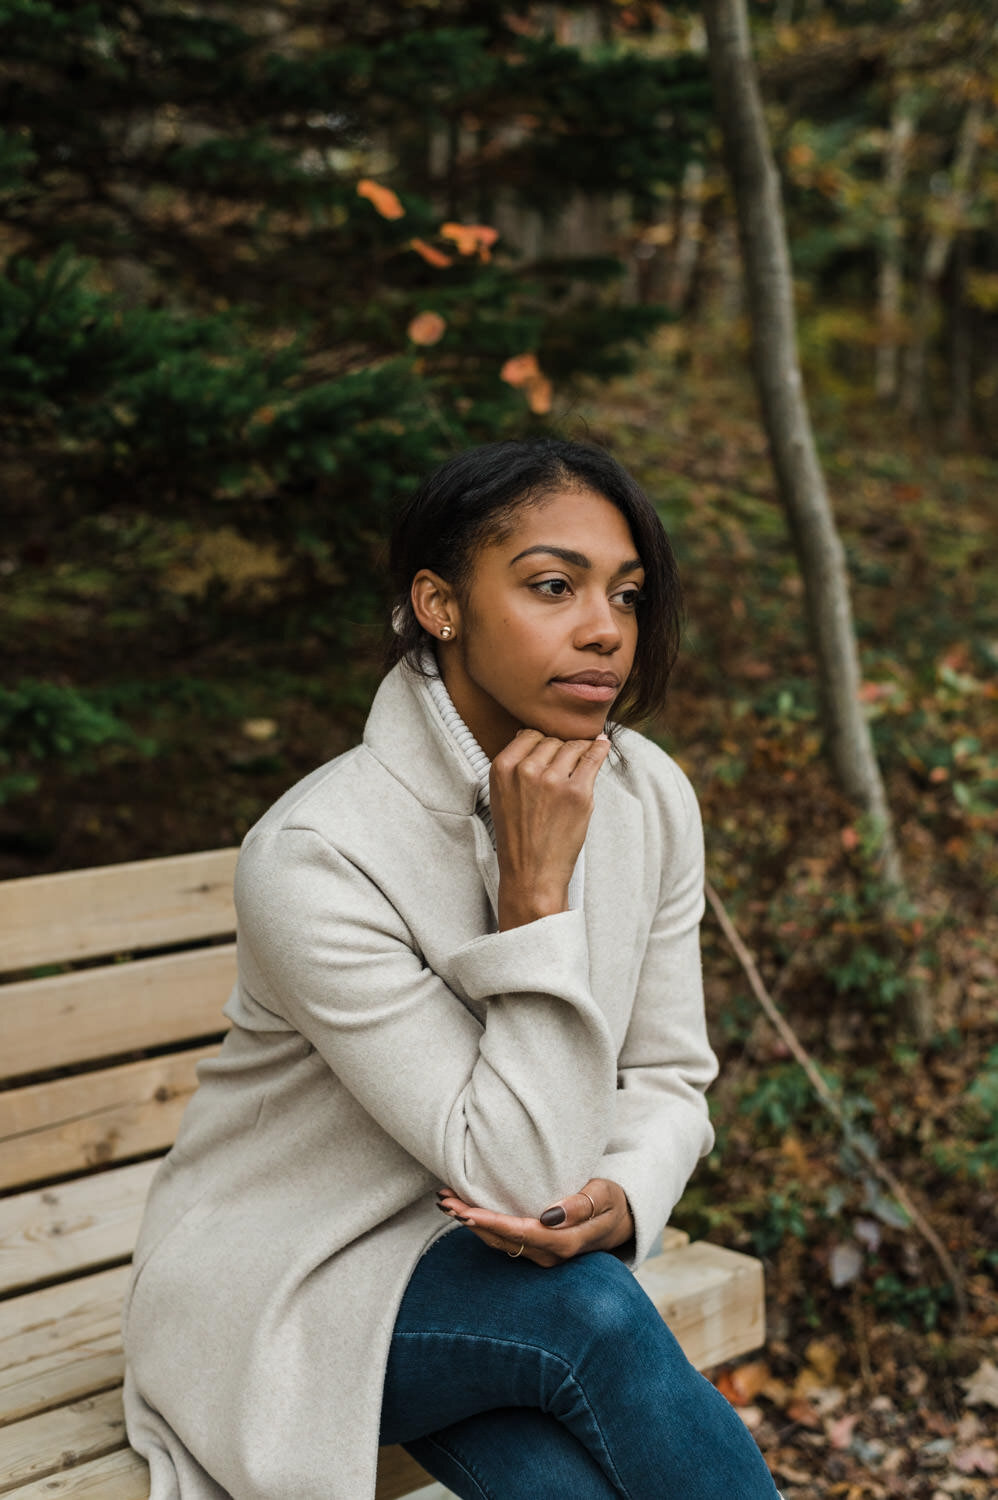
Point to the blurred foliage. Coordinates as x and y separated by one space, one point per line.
40 722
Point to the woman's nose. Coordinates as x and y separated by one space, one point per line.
599 626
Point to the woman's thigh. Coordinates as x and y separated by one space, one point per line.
513 1453
477 1330
581 1342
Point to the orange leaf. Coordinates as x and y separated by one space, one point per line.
432 256
748 1380
520 369
384 200
471 237
539 395
849 837
427 328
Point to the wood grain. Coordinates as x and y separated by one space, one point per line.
72 1226
61 1344
95 1013
148 903
69 1124
121 1475
60 1439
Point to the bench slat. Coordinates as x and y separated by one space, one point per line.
61 1344
68 1124
398 1474
58 1439
74 1018
148 903
712 1298
71 1226
122 1475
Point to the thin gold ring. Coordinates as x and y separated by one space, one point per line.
515 1254
591 1205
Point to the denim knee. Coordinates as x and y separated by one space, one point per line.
600 1304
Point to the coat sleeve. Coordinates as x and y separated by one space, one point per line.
661 1123
511 1115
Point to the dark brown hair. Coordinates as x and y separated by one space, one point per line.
470 501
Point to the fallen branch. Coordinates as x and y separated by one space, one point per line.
833 1104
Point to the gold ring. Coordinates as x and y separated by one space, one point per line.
591 1205
515 1254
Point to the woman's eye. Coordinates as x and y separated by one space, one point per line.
630 598
552 588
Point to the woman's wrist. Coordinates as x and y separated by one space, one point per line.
517 908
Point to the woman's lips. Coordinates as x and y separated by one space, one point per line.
591 687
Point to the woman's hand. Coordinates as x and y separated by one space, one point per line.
541 790
580 1230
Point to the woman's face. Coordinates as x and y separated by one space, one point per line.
546 635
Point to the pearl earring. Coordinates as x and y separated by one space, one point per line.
445 632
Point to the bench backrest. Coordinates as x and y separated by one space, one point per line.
111 987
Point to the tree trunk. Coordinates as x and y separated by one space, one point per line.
688 236
891 280
961 350
936 255
798 470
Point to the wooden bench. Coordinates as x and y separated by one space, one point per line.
111 987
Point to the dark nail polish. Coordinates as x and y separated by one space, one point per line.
553 1216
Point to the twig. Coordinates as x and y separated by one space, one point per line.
834 1107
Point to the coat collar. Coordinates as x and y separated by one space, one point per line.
406 734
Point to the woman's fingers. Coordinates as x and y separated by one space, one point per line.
576 1209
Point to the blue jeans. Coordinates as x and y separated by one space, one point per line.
510 1382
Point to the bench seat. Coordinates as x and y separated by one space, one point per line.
111 984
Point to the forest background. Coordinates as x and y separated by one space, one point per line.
265 264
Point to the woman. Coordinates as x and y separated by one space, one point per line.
468 980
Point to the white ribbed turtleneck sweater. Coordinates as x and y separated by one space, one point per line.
481 766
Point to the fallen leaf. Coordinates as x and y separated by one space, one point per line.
976 1460
431 254
867 1231
383 199
982 1386
845 1263
822 1356
427 328
749 1379
840 1432
804 1413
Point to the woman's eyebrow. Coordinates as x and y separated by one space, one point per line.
577 559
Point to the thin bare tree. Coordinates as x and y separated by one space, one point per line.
891 278
801 482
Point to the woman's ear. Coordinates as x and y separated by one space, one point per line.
435 605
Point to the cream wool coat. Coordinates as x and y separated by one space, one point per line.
385 1040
